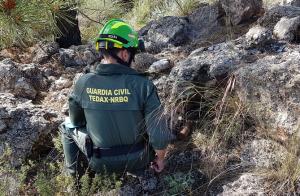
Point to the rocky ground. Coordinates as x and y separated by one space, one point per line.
248 55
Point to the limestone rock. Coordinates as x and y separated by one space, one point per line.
61 83
58 99
143 61
263 153
205 21
247 185
128 190
78 55
288 29
291 2
258 36
203 66
214 58
2 126
149 184
169 30
8 75
271 87
197 52
162 88
23 80
240 11
25 124
159 66
44 51
23 87
273 15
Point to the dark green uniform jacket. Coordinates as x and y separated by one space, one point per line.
119 106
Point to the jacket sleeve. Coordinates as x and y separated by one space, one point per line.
76 111
156 123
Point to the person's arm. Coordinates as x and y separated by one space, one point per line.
156 127
76 112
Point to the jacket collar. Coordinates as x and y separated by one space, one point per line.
111 69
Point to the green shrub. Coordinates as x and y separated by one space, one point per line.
52 180
101 183
44 185
178 183
11 179
23 22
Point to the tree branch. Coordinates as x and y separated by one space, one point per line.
83 14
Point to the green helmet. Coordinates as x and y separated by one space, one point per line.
117 34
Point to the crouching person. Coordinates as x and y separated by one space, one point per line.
115 114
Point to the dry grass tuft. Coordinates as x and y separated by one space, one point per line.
221 115
285 178
222 126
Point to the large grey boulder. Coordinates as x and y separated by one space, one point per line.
240 11
256 80
273 15
44 51
169 30
24 125
23 80
203 66
78 55
288 29
248 184
291 2
270 87
205 22
23 88
220 60
263 153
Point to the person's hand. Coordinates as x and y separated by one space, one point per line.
158 165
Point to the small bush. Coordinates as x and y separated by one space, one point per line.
51 179
11 179
100 183
44 185
178 183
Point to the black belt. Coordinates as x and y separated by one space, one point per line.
118 150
